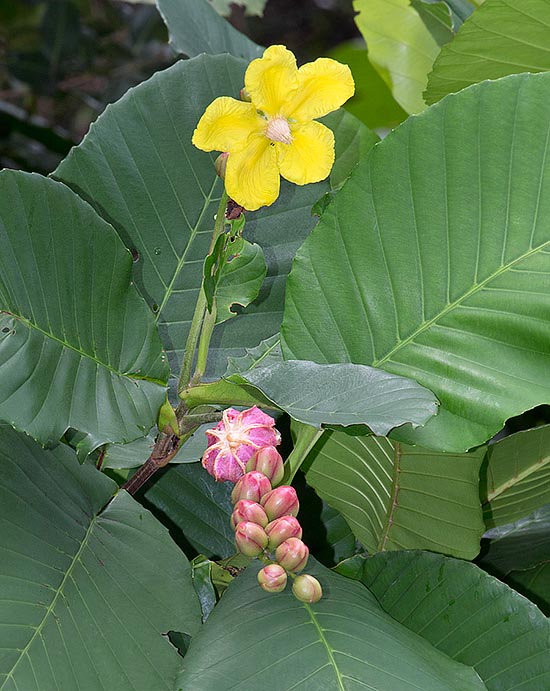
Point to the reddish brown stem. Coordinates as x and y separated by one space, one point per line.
166 447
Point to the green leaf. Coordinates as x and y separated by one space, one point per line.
515 476
78 346
196 508
266 353
138 167
338 643
372 102
342 394
195 27
466 614
452 294
241 278
400 48
518 546
353 141
534 584
400 497
500 38
437 18
85 589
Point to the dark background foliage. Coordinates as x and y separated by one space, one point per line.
63 61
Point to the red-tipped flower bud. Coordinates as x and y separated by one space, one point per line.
250 539
281 501
269 462
306 588
220 164
272 578
235 439
246 510
292 554
251 486
281 529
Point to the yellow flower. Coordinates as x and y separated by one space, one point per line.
276 133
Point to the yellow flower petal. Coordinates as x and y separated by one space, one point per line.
323 86
226 124
272 80
310 156
252 177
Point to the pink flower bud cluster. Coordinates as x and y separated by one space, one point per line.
241 449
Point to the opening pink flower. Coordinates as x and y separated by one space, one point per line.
235 440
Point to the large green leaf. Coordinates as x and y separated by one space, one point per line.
344 394
500 38
436 279
515 477
252 7
397 497
400 47
195 27
519 545
138 167
86 592
78 346
196 508
466 614
343 642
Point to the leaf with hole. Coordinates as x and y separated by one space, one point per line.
78 346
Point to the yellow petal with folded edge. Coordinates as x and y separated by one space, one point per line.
323 86
226 124
252 177
310 156
272 80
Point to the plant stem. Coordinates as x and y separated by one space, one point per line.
306 439
200 309
167 445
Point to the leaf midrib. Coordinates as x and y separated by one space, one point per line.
424 326
328 649
51 607
29 324
516 479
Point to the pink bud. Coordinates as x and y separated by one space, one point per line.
281 529
251 486
272 578
306 588
235 439
246 510
250 539
269 462
292 554
281 501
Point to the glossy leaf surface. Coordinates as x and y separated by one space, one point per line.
338 643
402 273
343 394
78 346
138 167
85 590
466 614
